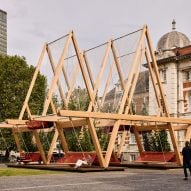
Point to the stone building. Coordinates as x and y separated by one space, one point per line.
173 55
173 58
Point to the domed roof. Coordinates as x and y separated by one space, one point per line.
172 39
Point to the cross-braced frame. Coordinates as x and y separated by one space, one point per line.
65 118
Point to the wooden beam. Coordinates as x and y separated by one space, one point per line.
73 123
188 134
65 77
85 78
28 111
107 84
172 134
53 107
74 77
62 95
112 142
56 76
118 65
153 80
96 143
155 67
52 146
88 68
122 142
62 138
16 121
17 141
32 82
134 82
133 68
101 115
6 126
102 68
39 146
52 118
138 140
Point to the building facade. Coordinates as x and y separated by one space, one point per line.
173 55
3 32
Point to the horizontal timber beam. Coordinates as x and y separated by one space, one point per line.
83 114
16 121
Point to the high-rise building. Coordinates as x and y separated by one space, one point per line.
3 32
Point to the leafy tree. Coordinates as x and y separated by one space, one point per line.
79 138
79 100
15 77
156 141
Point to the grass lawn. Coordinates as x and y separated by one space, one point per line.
23 172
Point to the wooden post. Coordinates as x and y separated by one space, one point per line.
52 146
173 138
39 146
138 140
122 142
62 137
96 143
17 141
188 133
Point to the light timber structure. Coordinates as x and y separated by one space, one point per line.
64 118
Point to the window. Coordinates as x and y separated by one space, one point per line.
189 102
163 75
132 139
132 157
188 75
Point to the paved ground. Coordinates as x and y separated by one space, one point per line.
130 180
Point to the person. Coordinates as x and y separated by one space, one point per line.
80 162
186 152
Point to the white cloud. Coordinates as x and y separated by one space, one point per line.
33 22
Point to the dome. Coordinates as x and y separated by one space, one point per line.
172 39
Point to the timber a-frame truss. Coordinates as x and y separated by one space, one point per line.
65 118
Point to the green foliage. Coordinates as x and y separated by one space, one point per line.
27 144
24 172
15 78
103 137
156 141
46 139
79 139
79 100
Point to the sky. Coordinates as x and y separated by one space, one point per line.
31 23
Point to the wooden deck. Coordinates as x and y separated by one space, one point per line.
66 168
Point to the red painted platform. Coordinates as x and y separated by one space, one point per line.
157 156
